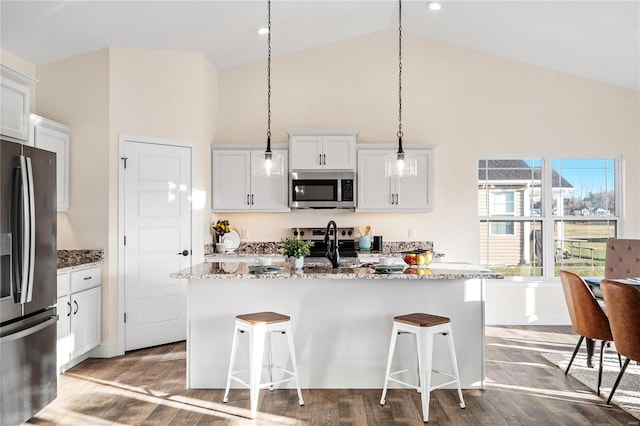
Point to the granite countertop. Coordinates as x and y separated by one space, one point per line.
71 260
240 270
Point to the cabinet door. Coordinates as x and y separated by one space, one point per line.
339 152
270 193
85 320
231 185
63 308
14 103
53 137
374 188
306 152
416 192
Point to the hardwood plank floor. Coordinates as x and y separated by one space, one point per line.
147 387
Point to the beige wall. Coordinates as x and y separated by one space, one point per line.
467 103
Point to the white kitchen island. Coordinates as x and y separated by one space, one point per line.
341 319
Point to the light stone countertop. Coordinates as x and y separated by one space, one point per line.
79 267
240 270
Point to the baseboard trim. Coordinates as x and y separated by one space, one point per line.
106 351
523 320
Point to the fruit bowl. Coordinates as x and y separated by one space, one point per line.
418 258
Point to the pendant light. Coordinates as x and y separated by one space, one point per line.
272 163
401 163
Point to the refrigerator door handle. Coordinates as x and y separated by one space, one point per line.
32 231
20 228
30 330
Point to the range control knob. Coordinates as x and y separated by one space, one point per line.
344 233
302 233
295 233
350 233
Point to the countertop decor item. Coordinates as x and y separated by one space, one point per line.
296 250
401 163
273 164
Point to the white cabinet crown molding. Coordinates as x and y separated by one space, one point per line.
38 120
17 76
251 146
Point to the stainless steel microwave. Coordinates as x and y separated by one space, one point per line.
322 190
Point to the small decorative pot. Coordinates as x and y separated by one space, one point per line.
364 242
221 247
297 262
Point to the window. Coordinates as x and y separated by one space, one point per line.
541 215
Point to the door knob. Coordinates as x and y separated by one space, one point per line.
184 253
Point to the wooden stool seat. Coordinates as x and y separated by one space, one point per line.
424 327
261 326
422 320
263 318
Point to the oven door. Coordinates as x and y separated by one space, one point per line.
315 193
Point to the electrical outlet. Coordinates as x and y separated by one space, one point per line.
412 233
244 233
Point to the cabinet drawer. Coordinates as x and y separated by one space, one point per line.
85 279
63 284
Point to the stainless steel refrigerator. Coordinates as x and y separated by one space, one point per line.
28 371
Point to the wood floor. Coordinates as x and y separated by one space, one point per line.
148 387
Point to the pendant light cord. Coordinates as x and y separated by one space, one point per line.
269 76
400 134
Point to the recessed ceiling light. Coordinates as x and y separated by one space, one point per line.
434 5
262 31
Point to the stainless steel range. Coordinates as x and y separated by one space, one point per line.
346 240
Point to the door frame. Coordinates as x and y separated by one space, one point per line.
122 139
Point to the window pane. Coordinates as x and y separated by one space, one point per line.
580 245
514 253
519 178
584 187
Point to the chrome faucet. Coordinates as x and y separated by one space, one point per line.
332 247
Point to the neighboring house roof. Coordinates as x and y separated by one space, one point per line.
516 170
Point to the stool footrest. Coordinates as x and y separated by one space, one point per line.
391 379
441 385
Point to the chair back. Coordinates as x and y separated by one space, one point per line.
622 258
587 317
623 306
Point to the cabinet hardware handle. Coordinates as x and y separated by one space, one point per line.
251 199
75 302
68 309
397 199
320 159
247 199
87 278
392 202
324 159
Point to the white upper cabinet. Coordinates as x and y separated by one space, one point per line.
52 136
236 189
317 149
15 88
376 192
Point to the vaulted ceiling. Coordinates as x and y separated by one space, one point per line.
599 40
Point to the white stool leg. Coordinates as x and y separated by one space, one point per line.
257 340
234 348
425 348
294 361
455 367
392 346
271 366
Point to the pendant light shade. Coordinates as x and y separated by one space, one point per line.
271 163
401 163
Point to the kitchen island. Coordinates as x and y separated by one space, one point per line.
341 318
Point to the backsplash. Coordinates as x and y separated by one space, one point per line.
68 258
273 247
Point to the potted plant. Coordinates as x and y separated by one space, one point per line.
220 228
296 250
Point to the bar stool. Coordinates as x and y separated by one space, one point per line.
424 327
258 325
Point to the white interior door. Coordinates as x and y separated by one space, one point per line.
157 227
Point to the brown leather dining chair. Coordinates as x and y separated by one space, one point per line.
623 315
588 319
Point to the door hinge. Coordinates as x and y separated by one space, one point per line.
125 240
124 159
125 317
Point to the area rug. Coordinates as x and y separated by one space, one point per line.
627 394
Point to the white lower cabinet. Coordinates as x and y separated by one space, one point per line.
79 311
